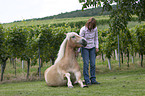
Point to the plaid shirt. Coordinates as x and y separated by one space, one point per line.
90 36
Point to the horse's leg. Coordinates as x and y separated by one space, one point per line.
78 78
69 83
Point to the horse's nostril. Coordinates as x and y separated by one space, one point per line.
84 42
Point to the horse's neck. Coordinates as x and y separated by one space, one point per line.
69 51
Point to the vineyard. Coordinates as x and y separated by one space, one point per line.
38 44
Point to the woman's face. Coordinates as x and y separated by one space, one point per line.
90 26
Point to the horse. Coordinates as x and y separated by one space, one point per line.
66 67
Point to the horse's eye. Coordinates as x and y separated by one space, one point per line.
73 36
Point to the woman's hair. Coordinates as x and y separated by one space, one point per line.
91 23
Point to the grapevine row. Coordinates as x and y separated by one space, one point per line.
24 42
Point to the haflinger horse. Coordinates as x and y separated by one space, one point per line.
66 65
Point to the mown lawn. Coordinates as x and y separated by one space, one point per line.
119 83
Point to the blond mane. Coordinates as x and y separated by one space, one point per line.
62 47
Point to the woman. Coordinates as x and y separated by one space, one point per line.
90 33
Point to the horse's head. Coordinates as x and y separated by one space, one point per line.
76 40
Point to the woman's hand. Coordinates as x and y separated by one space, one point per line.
97 49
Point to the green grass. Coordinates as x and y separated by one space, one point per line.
121 83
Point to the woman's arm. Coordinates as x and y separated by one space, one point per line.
82 32
96 40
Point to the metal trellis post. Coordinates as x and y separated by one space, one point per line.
39 62
118 51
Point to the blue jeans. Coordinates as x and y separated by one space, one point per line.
89 55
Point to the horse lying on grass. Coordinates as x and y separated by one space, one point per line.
66 63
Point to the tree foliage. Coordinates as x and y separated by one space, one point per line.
119 18
123 12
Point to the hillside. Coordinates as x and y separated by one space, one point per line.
78 13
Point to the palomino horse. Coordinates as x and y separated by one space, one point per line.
66 63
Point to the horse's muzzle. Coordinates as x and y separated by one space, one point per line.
84 42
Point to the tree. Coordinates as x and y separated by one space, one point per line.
31 48
4 50
43 46
54 44
128 7
120 15
140 34
17 43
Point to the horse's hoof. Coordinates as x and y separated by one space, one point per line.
85 86
70 86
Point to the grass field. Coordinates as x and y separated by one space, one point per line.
121 83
